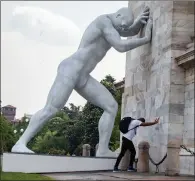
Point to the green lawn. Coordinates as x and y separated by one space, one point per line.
22 176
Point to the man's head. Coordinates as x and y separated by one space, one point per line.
122 19
142 120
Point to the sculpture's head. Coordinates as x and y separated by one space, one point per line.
122 19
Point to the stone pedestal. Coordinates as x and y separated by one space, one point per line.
143 157
86 150
173 149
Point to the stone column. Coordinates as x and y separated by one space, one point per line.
173 149
86 150
143 157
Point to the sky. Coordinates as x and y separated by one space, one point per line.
35 37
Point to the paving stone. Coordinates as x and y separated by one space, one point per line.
113 176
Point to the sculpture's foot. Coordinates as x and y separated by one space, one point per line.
21 148
107 153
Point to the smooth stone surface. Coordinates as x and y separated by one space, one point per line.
33 163
173 149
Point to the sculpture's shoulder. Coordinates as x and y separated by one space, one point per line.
103 21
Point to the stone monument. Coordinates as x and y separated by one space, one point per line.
157 84
74 73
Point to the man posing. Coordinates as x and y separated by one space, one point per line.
127 143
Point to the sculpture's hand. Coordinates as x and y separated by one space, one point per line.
113 38
138 24
143 17
148 31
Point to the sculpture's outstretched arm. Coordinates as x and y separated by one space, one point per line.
139 23
114 39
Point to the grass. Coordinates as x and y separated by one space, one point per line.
22 176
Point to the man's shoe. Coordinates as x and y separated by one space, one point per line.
116 170
131 169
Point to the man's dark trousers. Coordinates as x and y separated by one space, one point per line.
126 145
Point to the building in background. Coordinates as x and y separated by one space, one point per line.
9 112
28 115
120 85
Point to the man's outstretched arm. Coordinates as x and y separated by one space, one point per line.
114 39
150 123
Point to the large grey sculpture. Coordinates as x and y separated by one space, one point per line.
74 73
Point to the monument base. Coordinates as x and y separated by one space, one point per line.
186 162
35 163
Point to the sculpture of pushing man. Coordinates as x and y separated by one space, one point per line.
74 73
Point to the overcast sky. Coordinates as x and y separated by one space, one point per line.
35 37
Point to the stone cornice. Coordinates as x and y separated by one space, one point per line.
186 60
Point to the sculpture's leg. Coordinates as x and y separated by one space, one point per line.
58 95
98 95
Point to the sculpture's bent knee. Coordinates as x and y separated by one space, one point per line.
112 107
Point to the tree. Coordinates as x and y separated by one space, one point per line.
73 112
91 115
51 126
74 135
109 78
49 139
20 126
50 144
8 138
61 134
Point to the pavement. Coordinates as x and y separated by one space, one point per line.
115 176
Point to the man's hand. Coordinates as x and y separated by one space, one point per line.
156 121
143 17
150 123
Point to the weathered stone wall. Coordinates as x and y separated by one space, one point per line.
187 162
188 132
182 35
154 84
